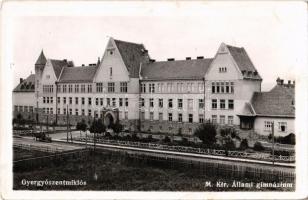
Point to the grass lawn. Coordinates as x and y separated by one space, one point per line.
115 173
19 154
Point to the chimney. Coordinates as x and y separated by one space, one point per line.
152 60
277 80
281 81
289 82
170 59
21 80
188 58
82 65
200 57
65 60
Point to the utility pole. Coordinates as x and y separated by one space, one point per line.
47 126
273 143
66 123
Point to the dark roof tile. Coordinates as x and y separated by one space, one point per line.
83 74
27 85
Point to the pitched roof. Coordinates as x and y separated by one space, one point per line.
244 63
58 65
82 74
41 59
248 110
27 85
277 102
132 54
179 69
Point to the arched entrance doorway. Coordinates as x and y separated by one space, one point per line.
109 119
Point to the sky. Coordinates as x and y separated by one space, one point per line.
273 33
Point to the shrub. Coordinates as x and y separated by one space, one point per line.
258 147
207 133
283 153
289 139
116 127
166 139
135 137
244 144
107 134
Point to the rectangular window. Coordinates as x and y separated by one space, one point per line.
170 117
64 88
64 100
47 99
213 87
282 126
110 71
70 111
123 87
70 88
96 101
44 99
214 119
158 87
201 103
190 118
152 87
151 102
201 118
58 88
108 101
99 87
151 116
180 103
114 102
64 111
120 102
222 104
160 103
51 99
58 111
232 87
89 101
222 87
25 108
20 109
142 117
89 112
58 100
142 88
227 87
180 117
70 100
76 112
82 100
76 100
268 125
230 120
217 87
89 88
101 101
222 119
125 115
76 88
160 116
51 111
31 109
190 104
231 104
47 110
83 88
126 102
142 102
111 87
15 108
82 112
170 103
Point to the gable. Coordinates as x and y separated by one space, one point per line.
48 75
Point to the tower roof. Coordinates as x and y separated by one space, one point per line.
41 59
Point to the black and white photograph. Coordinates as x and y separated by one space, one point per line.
175 99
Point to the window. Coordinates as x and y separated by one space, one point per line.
282 126
123 87
214 103
231 104
64 88
169 86
151 102
180 117
44 99
58 111
170 117
82 100
89 101
126 102
110 52
189 87
222 87
190 118
83 88
110 71
169 103
190 104
120 102
101 101
152 87
179 88
70 100
89 88
214 119
142 88
218 87
230 120
160 116
268 125
99 87
222 104
151 116
58 100
227 87
142 117
70 111
96 101
15 108
201 118
222 119
201 103
20 108
64 100
108 101
114 102
47 99
142 102
31 109
64 111
160 103
110 86
59 88
200 87
232 87
82 112
51 111
158 87
76 100
125 115
47 110
25 108
70 88
89 112
213 87
180 103
76 88
51 99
